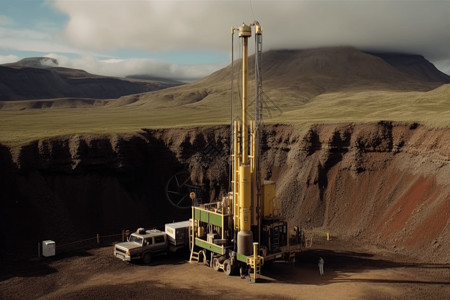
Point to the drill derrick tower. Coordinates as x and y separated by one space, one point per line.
243 230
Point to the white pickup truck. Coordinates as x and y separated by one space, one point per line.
145 244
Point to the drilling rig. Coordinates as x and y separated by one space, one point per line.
244 231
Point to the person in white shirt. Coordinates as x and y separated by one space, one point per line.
321 262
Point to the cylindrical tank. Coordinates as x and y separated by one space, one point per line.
245 235
200 232
245 198
245 242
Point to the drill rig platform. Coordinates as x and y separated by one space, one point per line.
244 230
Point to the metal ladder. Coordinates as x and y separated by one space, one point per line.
195 256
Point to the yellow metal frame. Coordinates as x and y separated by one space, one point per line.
255 262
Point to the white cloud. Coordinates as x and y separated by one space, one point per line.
32 40
406 26
4 59
97 28
151 25
443 65
124 67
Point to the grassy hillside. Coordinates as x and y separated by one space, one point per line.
431 108
333 85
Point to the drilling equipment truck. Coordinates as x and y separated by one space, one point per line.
244 230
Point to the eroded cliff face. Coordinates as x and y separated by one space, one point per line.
385 184
70 188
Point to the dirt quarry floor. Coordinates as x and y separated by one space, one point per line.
350 273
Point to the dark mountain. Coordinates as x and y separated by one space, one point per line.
41 78
341 66
295 77
414 65
337 68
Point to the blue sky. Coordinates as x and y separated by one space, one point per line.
189 39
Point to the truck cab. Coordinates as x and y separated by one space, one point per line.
142 245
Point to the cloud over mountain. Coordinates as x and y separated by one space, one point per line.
402 26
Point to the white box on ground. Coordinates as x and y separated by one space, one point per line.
48 248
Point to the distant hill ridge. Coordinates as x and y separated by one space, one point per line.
350 63
288 75
36 62
42 78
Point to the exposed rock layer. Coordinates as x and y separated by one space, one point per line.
384 184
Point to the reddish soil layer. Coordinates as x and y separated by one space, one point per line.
383 184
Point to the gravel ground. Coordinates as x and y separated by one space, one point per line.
350 273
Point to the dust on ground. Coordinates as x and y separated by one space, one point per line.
350 273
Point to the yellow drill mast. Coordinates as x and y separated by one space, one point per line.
243 230
246 206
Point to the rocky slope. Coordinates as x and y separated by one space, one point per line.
382 184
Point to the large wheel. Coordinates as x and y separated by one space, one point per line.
216 264
227 269
147 258
178 190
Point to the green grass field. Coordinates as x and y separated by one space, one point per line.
429 108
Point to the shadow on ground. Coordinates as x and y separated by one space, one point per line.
341 266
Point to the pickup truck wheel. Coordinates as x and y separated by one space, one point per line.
242 272
227 267
147 258
216 264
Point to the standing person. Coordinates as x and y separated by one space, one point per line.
321 262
